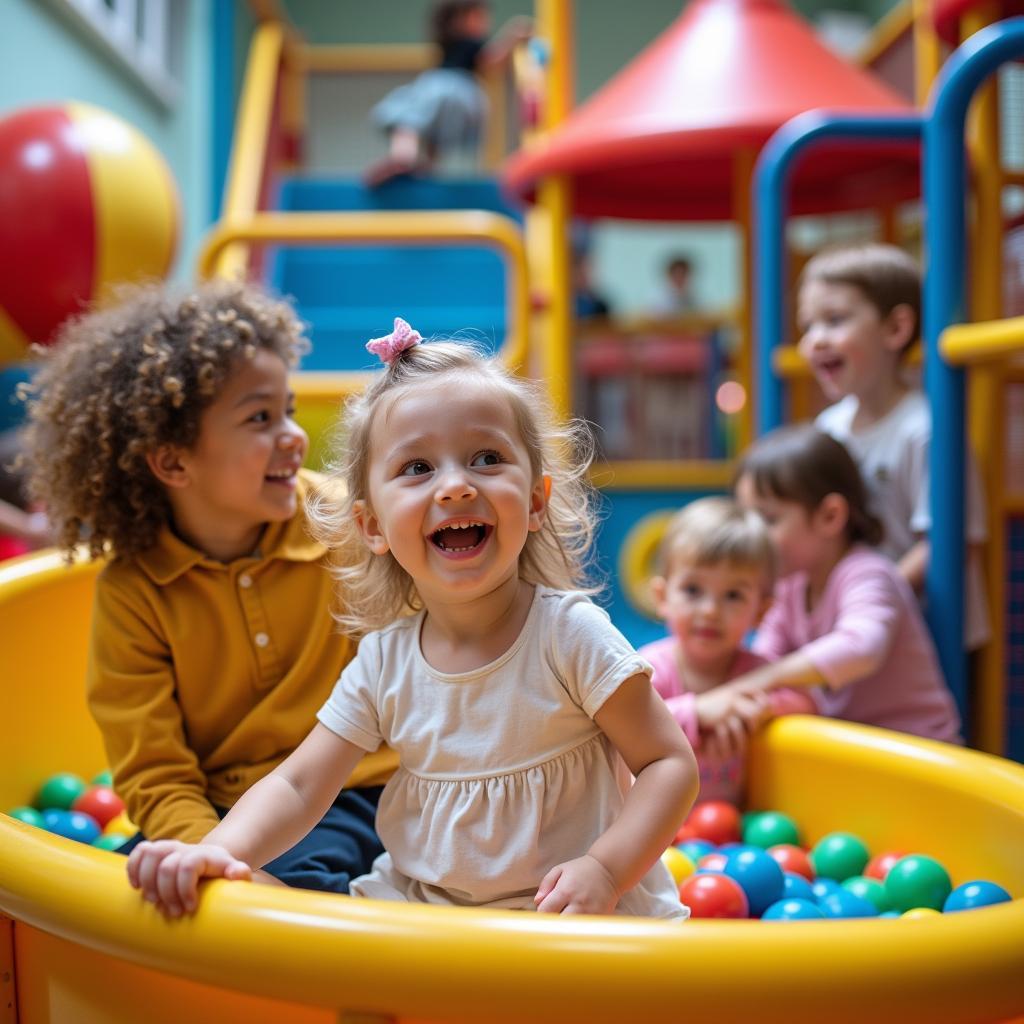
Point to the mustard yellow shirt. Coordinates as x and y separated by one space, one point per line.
204 675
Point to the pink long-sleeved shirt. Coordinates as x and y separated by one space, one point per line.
867 638
720 778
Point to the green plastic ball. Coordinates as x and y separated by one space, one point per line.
770 828
29 815
112 841
839 856
59 792
103 779
870 889
917 881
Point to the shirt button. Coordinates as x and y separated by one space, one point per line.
261 639
245 581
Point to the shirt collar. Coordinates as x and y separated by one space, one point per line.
171 556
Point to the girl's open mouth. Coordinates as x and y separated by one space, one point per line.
462 538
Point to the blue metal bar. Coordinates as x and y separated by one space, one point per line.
222 97
945 185
771 175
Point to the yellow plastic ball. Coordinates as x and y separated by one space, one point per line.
918 912
679 865
122 825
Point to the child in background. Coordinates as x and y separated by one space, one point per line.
717 572
444 109
22 527
161 436
517 710
859 311
844 620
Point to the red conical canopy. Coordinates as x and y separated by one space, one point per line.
947 14
659 140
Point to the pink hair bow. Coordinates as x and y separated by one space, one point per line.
392 345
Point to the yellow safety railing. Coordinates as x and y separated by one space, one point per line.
250 146
989 341
417 227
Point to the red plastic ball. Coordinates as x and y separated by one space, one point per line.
792 858
879 865
714 896
685 832
716 821
713 861
101 803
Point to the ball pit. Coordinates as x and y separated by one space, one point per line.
266 955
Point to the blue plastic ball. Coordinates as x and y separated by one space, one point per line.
796 887
71 825
696 848
822 887
793 910
890 913
759 876
843 904
972 895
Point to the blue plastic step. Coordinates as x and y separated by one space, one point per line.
350 294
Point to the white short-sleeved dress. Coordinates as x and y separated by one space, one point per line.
503 772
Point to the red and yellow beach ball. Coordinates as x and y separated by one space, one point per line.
86 202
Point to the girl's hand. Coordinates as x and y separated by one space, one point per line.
735 716
168 872
580 886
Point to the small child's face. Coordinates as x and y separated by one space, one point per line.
451 493
242 471
475 23
791 526
709 609
845 339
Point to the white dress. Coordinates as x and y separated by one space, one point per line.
503 772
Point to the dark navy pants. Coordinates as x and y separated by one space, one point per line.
340 848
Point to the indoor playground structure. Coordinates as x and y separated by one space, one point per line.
715 120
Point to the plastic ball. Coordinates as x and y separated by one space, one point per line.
870 889
29 815
87 202
770 828
110 842
99 802
839 855
972 895
917 881
679 865
880 865
684 834
843 904
71 825
822 887
59 791
796 887
696 848
792 858
917 913
103 779
714 896
122 825
712 861
758 875
716 821
793 910
890 914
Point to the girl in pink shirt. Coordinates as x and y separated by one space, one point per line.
717 569
844 621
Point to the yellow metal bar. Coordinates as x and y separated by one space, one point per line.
967 344
401 58
743 171
887 32
495 83
663 475
417 227
927 51
252 131
555 24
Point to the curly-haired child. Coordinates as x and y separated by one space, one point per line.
161 435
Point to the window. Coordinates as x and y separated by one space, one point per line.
142 36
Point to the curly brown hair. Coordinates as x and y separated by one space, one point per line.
122 381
